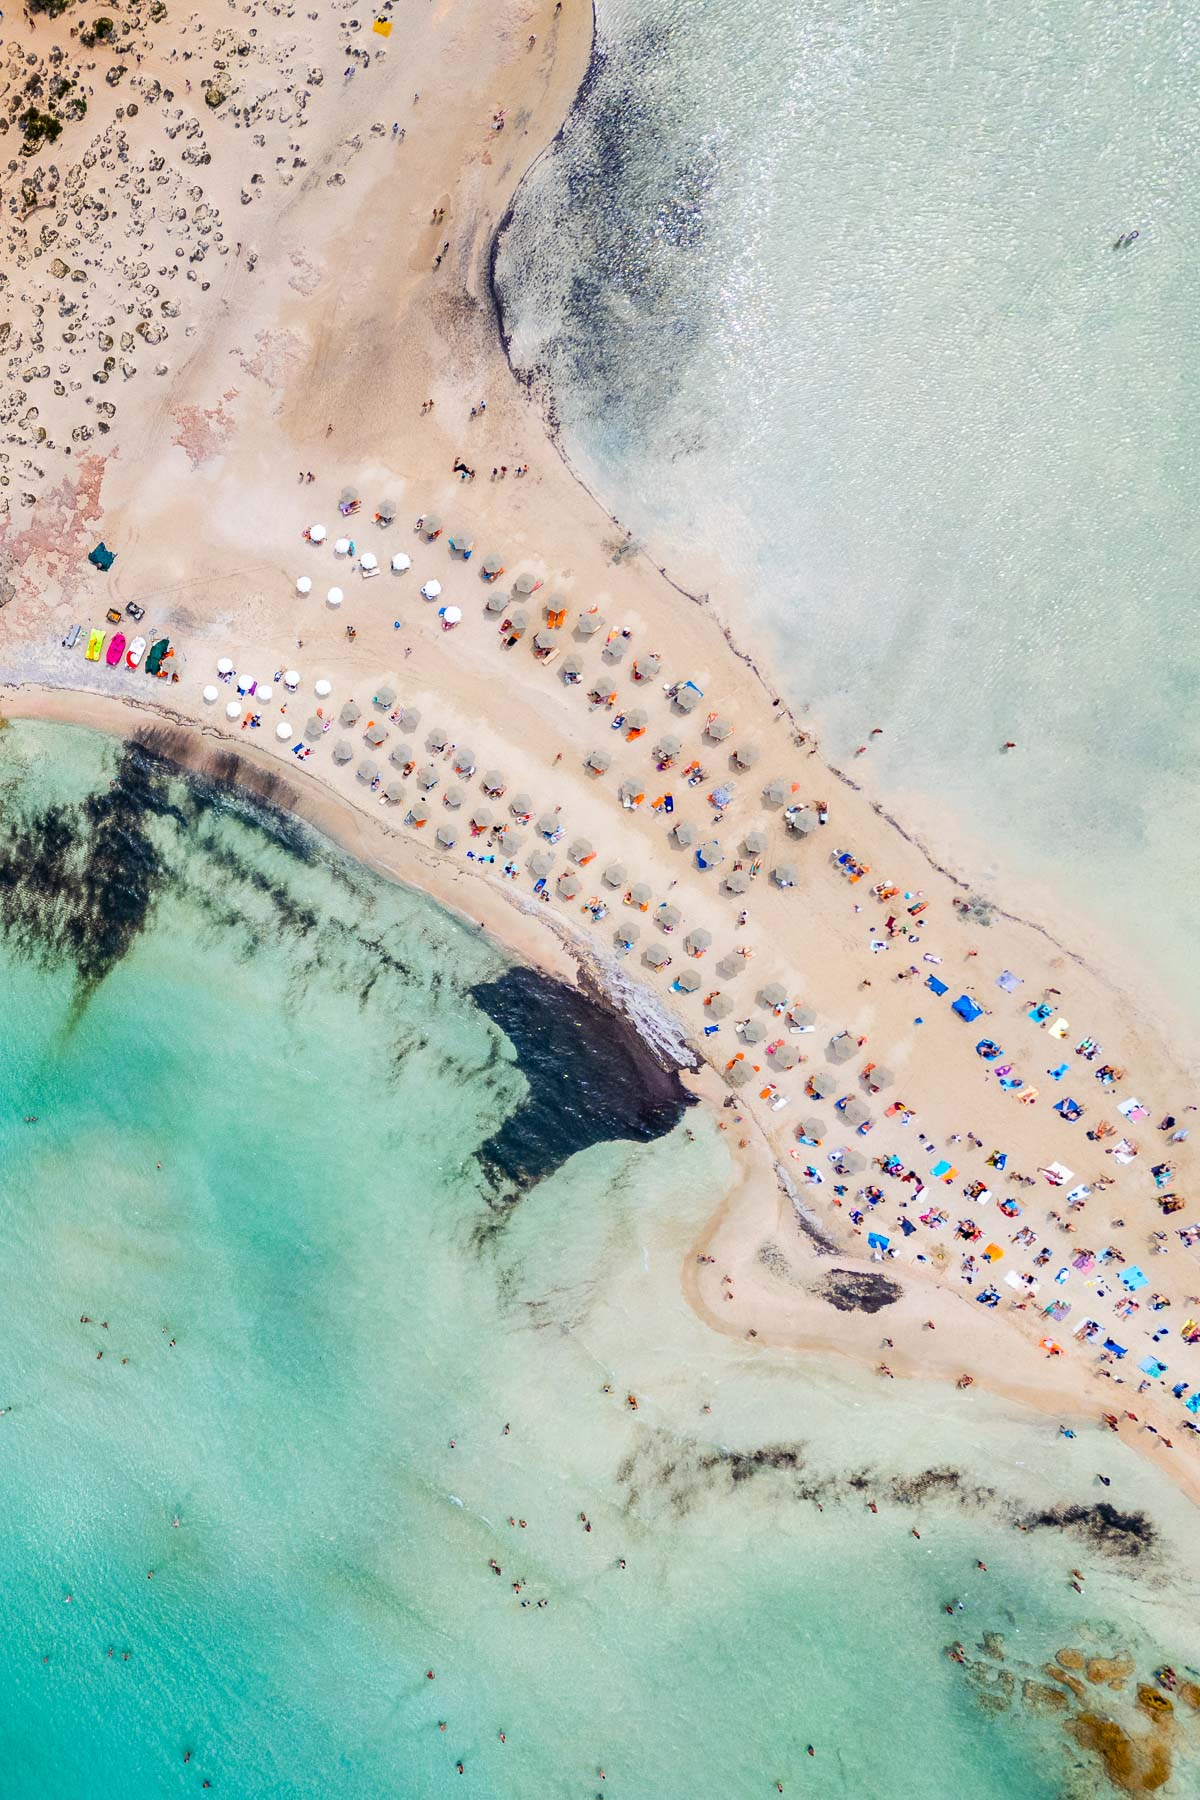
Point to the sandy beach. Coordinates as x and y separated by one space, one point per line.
272 267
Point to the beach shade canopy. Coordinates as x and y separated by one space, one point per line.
657 956
493 566
803 821
409 718
668 745
314 728
571 668
697 940
639 894
636 720
731 966
387 511
687 698
616 875
738 1074
291 680
210 694
304 584
385 696
720 1006
464 762
401 563
709 854
802 1017
684 834
418 812
737 881
224 665
855 1113
526 584
454 795
541 863
687 980
335 596
851 1163
368 770
718 730
520 806
841 1048
496 603
648 666
481 817
598 761
880 1076
494 782
783 875
579 849
322 688
776 792
754 1031
629 790
432 590
754 843
342 751
784 1057
376 734
427 777
393 789
773 995
668 917
400 755
317 534
232 710
568 884
348 497
350 714
813 1126
615 649
822 1085
548 824
447 836
746 755
590 624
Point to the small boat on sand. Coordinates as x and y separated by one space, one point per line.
135 652
116 649
95 644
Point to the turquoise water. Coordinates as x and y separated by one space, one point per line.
827 303
319 1289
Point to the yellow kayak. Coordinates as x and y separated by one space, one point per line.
95 646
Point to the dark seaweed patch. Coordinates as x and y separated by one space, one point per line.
591 1078
1103 1525
853 1290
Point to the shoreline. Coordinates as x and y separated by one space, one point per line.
442 338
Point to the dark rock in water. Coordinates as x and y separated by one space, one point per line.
1124 1534
853 1290
591 1078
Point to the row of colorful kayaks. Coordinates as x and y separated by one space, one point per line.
118 649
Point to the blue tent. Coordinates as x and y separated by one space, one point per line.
966 1008
102 557
938 987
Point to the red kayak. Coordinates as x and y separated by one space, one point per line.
115 651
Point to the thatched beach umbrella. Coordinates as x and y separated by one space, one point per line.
738 1074
709 854
803 821
783 875
718 730
496 603
841 1048
350 714
409 718
579 849
753 1031
393 789
776 792
571 669
400 755
376 734
568 884
342 751
438 738
856 1112
822 1085
879 1077
431 526
589 624
667 917
813 1127
802 1017
648 666
784 1057
667 746
746 755
493 566
755 843
616 875
773 995
736 882
627 932
687 980
368 771
684 834
636 720
520 806
464 763
386 512
657 956
314 729
428 777
598 761
418 812
614 650
447 835
454 796
548 824
541 863
720 1006
544 640
526 584
481 817
629 791
517 622
697 941
348 497
385 697
639 895
687 699
461 542
731 966
851 1163
494 783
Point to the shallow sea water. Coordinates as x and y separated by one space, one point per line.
323 1285
826 301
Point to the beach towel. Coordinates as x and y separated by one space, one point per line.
1059 1029
1192 1405
877 1240
1039 1014
1151 1366
1115 1349
102 557
935 986
1133 1279
1132 1109
1008 981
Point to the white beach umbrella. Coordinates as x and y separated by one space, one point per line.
431 590
265 693
210 694
283 731
225 665
323 688
291 680
401 563
317 534
341 547
304 584
335 596
245 683
368 560
452 615
233 710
